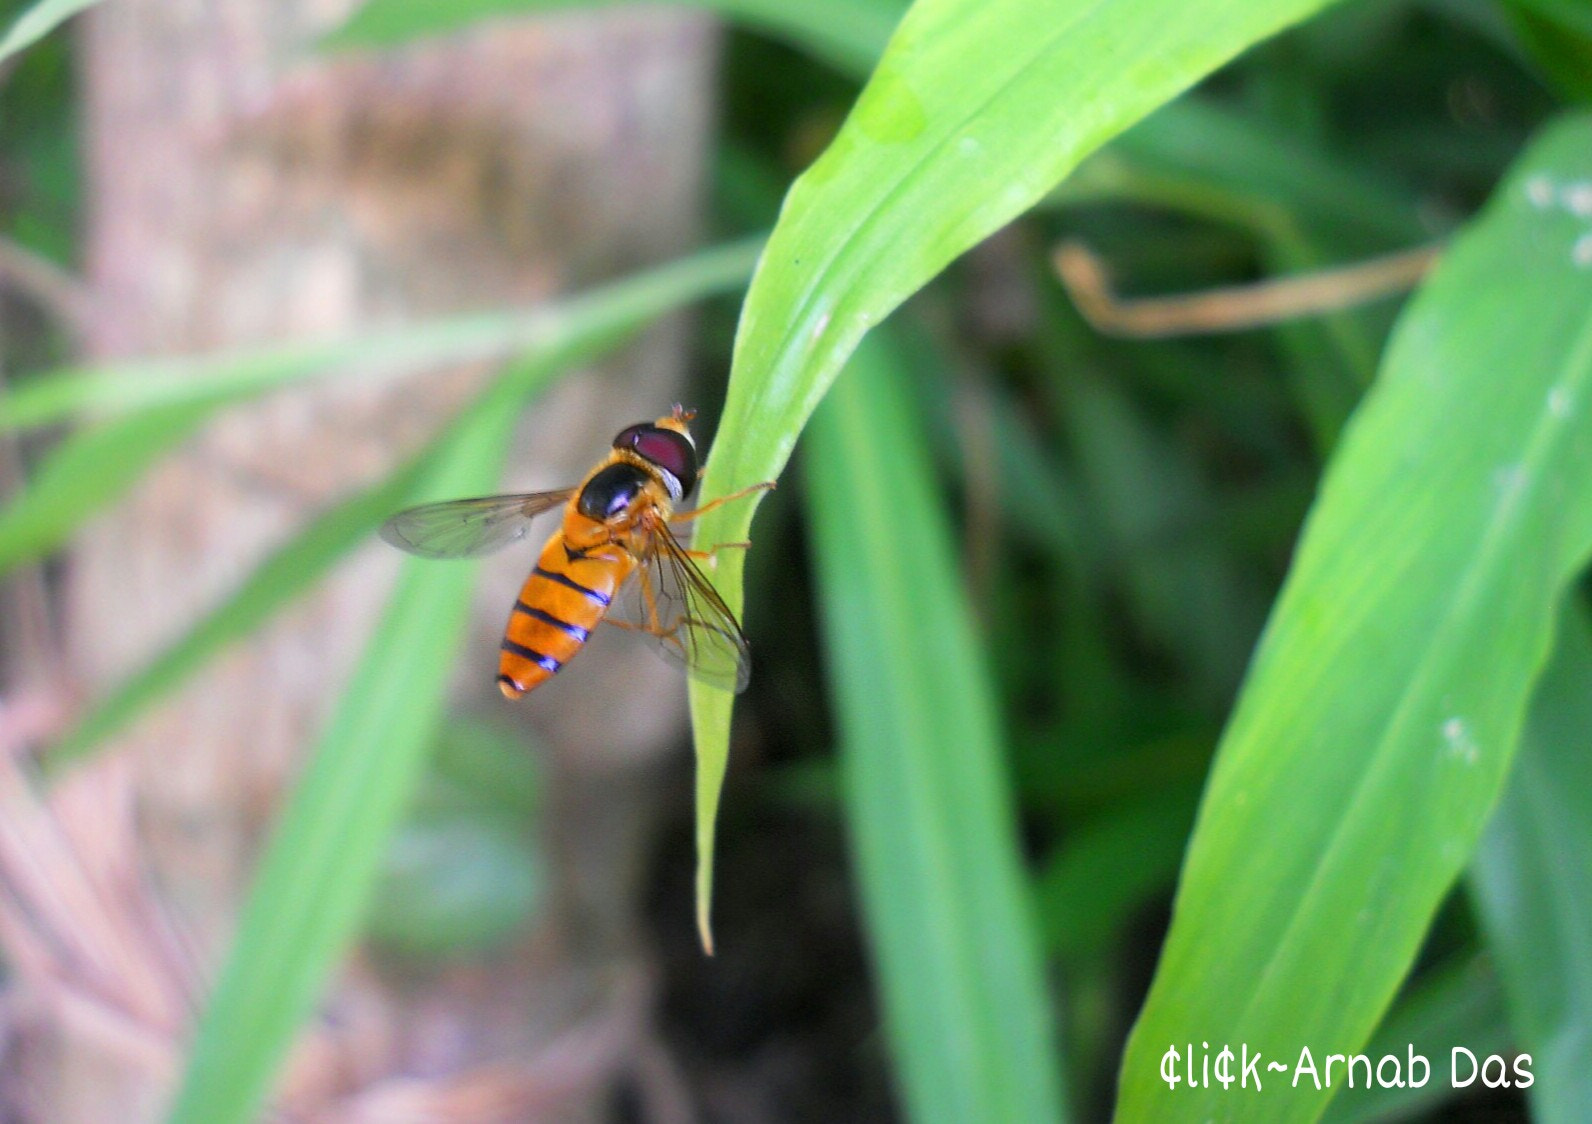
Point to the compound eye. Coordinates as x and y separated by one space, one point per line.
671 452
627 437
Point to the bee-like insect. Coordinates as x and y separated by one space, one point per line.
614 558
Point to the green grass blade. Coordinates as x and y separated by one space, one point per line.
271 586
38 21
88 471
1383 706
170 399
1197 151
976 110
849 34
1558 35
954 941
1532 883
215 380
318 871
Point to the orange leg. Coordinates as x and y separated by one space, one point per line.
721 501
711 554
650 599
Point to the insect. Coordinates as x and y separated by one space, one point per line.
614 558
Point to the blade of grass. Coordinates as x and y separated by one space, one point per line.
88 471
91 469
270 587
1207 158
848 34
37 21
214 380
1558 35
934 829
319 868
977 108
1532 883
1383 706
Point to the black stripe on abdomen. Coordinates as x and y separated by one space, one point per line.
564 580
574 630
546 663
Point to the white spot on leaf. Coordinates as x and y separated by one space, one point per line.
1578 199
1539 189
1581 253
1460 742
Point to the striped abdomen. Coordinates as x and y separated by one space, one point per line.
559 605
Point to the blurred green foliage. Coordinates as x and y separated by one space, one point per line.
1099 530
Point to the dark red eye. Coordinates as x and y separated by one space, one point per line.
627 437
670 451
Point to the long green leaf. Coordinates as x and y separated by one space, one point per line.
847 33
169 400
319 869
977 109
933 823
272 584
37 21
1382 709
88 471
1532 883
214 380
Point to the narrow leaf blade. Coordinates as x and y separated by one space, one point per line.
158 404
320 866
214 380
1532 883
87 472
846 33
38 21
953 934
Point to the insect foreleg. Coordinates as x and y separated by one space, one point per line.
711 554
686 517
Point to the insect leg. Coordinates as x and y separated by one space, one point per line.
722 500
650 599
710 555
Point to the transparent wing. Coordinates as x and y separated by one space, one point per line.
672 601
466 528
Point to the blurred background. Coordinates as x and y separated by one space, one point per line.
182 178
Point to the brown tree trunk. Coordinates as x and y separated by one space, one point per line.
244 191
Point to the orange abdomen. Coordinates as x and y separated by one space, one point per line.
562 601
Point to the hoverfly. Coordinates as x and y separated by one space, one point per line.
614 558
